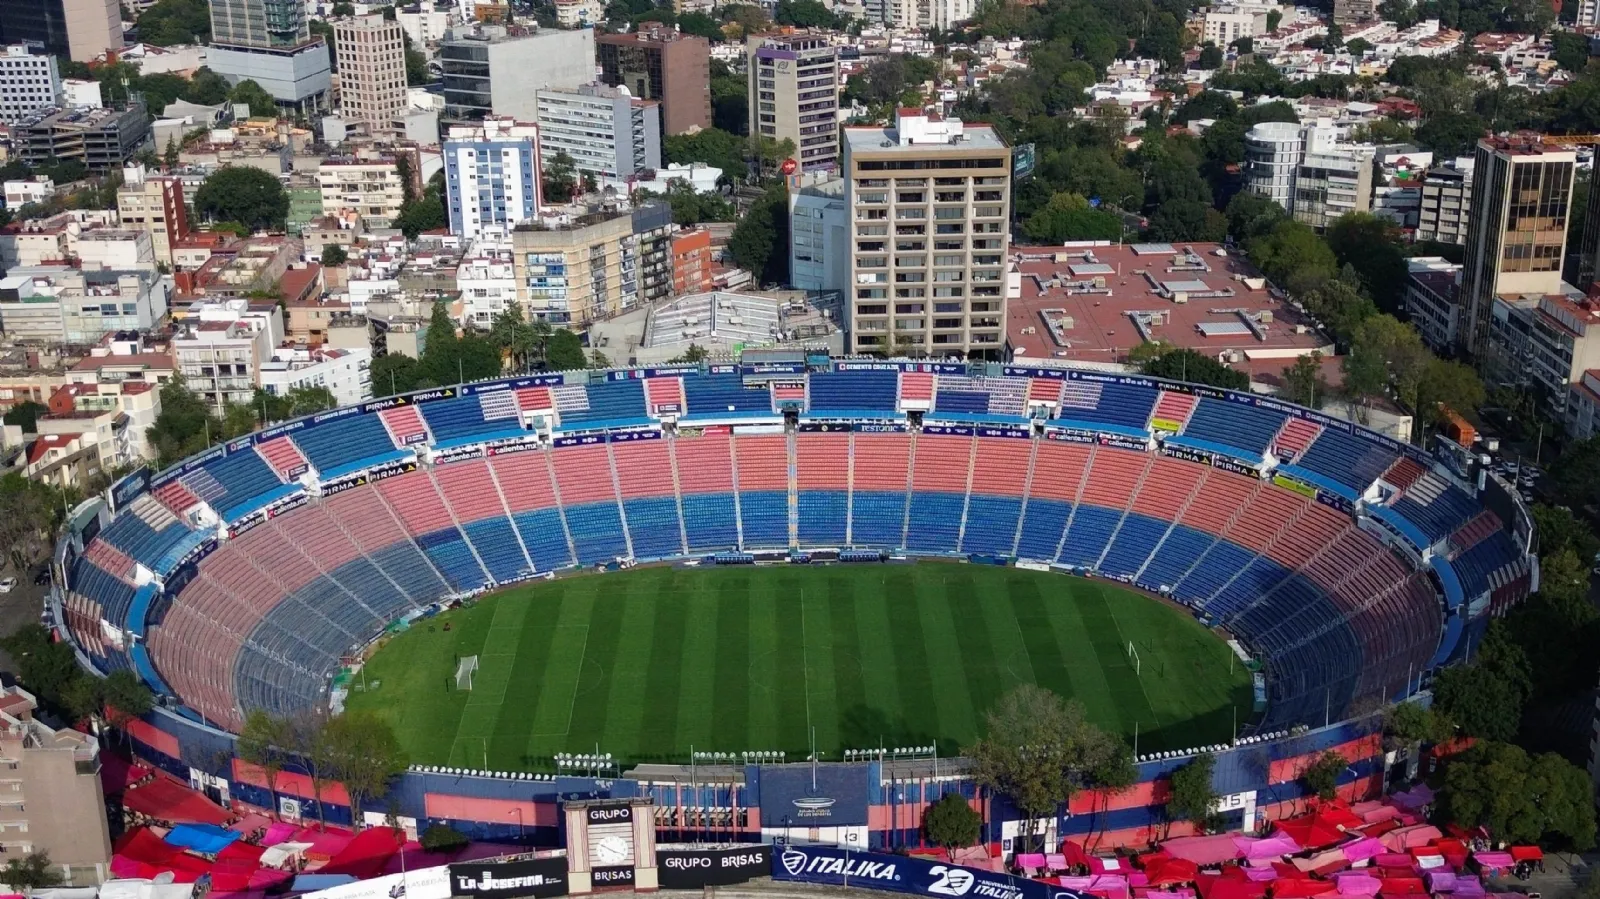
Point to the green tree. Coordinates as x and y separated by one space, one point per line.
951 822
1191 796
1293 256
425 214
26 414
1373 246
760 240
1560 531
1187 220
1210 57
598 359
1162 361
125 697
700 25
1068 216
334 254
694 354
1411 722
1519 798
805 14
712 146
564 352
264 741
1251 215
1321 777
243 194
1303 383
1480 701
395 373
517 339
185 425
1037 750
33 871
1114 775
207 87
443 838
261 103
560 178
46 668
1358 47
363 754
169 23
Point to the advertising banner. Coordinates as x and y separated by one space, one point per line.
542 878
902 874
830 796
696 869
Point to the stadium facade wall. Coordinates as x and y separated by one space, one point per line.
1257 782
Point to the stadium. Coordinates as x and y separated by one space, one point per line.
1210 568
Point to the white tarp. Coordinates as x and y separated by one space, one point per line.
275 856
423 883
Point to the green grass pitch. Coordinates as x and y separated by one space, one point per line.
646 664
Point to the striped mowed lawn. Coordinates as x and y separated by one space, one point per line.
649 663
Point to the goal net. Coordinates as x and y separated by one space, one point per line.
464 671
1133 656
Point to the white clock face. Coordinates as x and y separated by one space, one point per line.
612 850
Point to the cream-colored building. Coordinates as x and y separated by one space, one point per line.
370 187
372 71
929 200
50 795
572 273
153 204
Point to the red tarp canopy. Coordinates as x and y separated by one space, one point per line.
1074 853
366 854
117 774
1300 888
1167 871
165 800
1527 853
1215 886
1403 886
1320 828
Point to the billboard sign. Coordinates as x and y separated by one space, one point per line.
696 869
542 878
903 874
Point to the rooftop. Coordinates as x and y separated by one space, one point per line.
921 133
1095 303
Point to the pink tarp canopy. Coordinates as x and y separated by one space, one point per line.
1414 798
1073 883
250 824
1212 850
1362 849
1359 885
280 832
1275 846
1493 860
326 844
1213 886
1033 860
1055 861
1410 837
1260 875
1468 887
1148 893
1441 881
1109 886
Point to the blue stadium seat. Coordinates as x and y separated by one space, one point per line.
840 391
709 520
821 517
346 444
969 401
1348 460
991 525
546 539
877 518
1211 571
1043 523
410 570
497 544
1233 424
1135 541
448 550
653 523
246 483
1088 534
1173 558
467 419
113 595
934 522
596 530
714 395
1474 566
765 518
610 401
1124 405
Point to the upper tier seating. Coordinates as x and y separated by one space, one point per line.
1124 405
1233 425
855 391
344 444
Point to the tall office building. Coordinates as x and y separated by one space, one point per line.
794 94
71 29
29 81
1517 235
372 71
608 133
931 198
269 42
1446 202
154 203
490 70
491 175
658 63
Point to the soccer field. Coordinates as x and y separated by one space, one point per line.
646 664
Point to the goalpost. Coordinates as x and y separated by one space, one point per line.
1133 656
465 669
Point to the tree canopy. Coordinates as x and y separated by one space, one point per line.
243 194
1518 797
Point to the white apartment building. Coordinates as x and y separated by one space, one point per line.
153 203
608 132
488 281
28 83
1225 24
58 304
223 347
370 187
819 235
32 190
344 372
1302 168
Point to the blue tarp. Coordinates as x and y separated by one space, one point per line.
308 883
207 839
